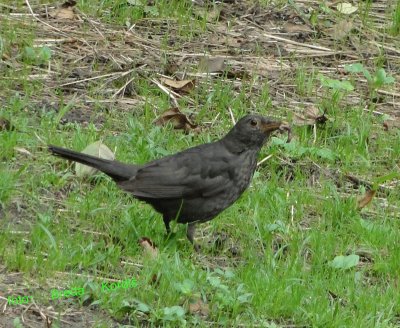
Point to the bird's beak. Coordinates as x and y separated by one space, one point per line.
268 127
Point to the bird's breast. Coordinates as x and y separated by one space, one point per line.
245 168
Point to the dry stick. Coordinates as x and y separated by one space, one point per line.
168 92
125 85
315 133
298 43
385 47
214 120
124 101
46 317
389 93
122 88
264 159
372 111
132 264
41 41
27 308
231 114
96 77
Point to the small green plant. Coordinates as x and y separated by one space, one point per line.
345 262
174 313
296 150
36 56
335 85
375 81
336 90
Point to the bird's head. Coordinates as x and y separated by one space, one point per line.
252 131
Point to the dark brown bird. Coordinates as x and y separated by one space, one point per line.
194 185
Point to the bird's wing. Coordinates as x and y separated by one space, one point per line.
187 174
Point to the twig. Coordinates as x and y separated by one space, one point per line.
231 114
167 91
264 159
96 77
215 119
123 87
297 43
315 133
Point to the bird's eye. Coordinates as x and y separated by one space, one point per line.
253 122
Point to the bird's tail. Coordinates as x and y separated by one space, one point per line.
115 169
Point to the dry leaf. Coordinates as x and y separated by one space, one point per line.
366 199
184 85
311 116
149 247
346 8
177 119
95 149
66 11
199 307
341 29
296 28
212 65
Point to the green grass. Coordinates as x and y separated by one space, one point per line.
272 267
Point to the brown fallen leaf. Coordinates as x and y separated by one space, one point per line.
148 247
311 116
366 199
212 64
66 11
177 119
296 28
199 307
185 85
341 30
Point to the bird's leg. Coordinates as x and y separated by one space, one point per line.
190 235
166 223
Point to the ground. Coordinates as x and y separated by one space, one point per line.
312 243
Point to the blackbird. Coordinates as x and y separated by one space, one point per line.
194 185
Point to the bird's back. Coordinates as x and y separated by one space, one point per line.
196 184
